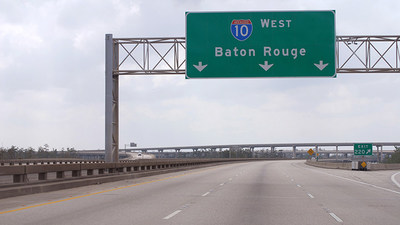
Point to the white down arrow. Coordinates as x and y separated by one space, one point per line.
321 65
265 66
200 67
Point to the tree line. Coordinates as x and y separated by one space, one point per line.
395 158
44 151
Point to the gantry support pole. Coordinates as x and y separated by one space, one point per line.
111 106
294 152
337 152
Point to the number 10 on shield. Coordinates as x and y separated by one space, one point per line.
241 29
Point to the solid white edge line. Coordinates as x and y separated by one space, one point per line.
310 195
355 181
367 184
172 214
205 194
336 217
394 180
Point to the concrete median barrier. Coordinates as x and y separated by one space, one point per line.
106 172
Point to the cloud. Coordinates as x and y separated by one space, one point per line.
52 80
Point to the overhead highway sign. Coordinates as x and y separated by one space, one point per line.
260 44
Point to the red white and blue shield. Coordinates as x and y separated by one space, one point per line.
241 29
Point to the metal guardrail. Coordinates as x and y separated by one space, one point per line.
11 162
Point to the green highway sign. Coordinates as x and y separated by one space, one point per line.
362 149
260 44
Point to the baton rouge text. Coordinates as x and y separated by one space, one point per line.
267 51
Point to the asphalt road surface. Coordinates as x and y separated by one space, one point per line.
267 192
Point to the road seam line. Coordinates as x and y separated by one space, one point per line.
172 214
336 217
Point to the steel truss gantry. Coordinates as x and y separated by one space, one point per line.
368 54
167 56
163 56
157 56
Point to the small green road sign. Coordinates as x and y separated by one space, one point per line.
362 149
260 44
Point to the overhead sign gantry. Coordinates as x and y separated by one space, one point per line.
166 56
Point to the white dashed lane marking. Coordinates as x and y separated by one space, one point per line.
172 215
336 217
205 194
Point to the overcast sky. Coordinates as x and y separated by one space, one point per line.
52 85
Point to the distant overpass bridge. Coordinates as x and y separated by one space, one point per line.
287 150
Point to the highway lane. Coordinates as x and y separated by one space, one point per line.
268 192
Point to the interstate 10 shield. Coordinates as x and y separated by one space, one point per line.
241 29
